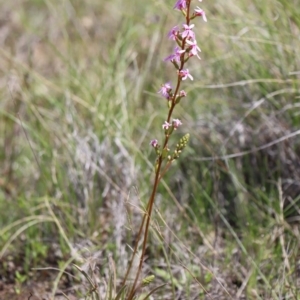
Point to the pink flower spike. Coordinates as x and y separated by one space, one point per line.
188 32
165 90
173 33
154 143
176 123
200 12
180 4
194 49
184 74
166 125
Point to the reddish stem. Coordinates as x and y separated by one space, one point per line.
158 176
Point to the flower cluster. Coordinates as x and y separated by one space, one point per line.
174 125
186 47
185 39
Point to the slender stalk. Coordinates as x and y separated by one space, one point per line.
151 201
146 217
173 100
136 244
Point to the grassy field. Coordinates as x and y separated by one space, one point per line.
79 105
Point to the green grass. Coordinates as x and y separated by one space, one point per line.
79 106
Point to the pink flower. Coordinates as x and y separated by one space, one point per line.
165 90
200 12
188 32
176 123
166 125
180 4
194 49
182 93
176 55
184 74
173 33
154 143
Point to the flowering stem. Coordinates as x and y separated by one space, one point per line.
187 48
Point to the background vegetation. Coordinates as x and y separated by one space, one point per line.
79 105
